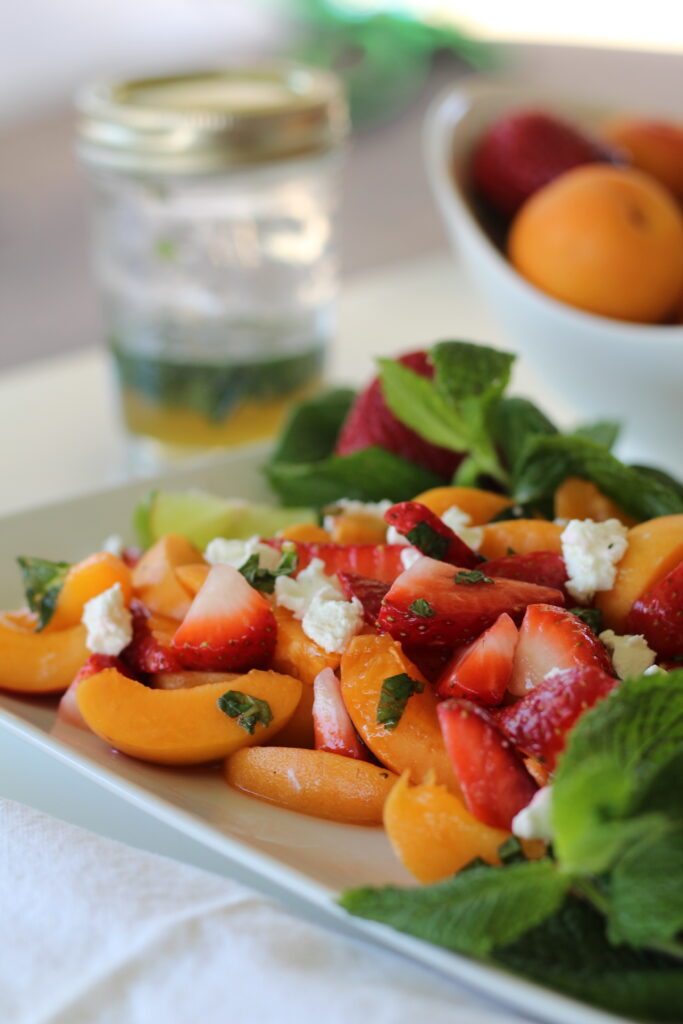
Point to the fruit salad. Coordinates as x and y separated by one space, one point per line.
463 626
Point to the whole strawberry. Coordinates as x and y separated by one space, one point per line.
525 150
371 422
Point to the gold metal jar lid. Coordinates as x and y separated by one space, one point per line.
211 121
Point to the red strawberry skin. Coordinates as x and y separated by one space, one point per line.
494 782
151 648
371 422
546 568
407 515
525 150
332 724
369 592
539 723
551 638
481 671
374 561
230 626
458 612
658 615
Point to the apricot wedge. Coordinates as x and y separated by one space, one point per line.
480 505
432 832
154 577
581 499
655 547
416 744
85 580
39 662
182 726
520 536
313 782
295 653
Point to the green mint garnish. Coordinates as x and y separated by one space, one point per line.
422 608
264 579
591 616
247 710
394 695
472 576
425 538
43 581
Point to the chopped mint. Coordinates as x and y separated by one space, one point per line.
248 711
264 579
43 581
394 695
426 539
422 608
472 576
591 616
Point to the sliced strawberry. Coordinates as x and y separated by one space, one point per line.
482 670
430 660
371 422
375 561
229 627
539 723
151 649
551 638
436 603
430 535
370 593
658 615
546 568
494 782
68 709
332 725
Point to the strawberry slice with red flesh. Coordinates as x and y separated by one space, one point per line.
430 535
546 568
374 561
371 422
151 649
332 725
494 782
539 723
482 670
370 593
437 603
552 638
658 615
229 627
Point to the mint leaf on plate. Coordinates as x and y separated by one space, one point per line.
395 693
646 888
264 579
311 431
247 710
514 421
604 432
473 912
43 581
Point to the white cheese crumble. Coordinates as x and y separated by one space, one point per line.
591 552
409 556
654 669
459 522
220 551
394 537
113 544
108 622
351 507
631 655
316 598
297 594
535 820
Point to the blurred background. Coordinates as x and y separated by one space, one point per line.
395 56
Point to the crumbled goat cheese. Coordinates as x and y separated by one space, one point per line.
351 507
459 522
331 622
409 556
297 594
113 544
535 820
591 552
654 669
631 655
108 622
394 537
220 551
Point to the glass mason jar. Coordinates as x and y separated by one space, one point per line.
214 201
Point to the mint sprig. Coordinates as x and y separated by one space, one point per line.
43 581
394 695
264 579
249 711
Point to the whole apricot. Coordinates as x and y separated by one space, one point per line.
655 147
607 240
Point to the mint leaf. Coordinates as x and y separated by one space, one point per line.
591 616
474 911
43 581
421 608
569 951
616 758
264 579
514 421
394 695
646 888
654 473
415 401
372 474
604 432
311 431
465 371
248 711
548 461
427 540
472 576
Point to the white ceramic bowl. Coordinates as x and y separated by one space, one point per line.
605 369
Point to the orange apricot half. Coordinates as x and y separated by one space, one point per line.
154 578
39 662
313 782
85 580
520 536
181 726
480 505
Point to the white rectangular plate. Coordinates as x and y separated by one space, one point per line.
300 858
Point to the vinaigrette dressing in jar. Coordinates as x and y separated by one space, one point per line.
214 202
